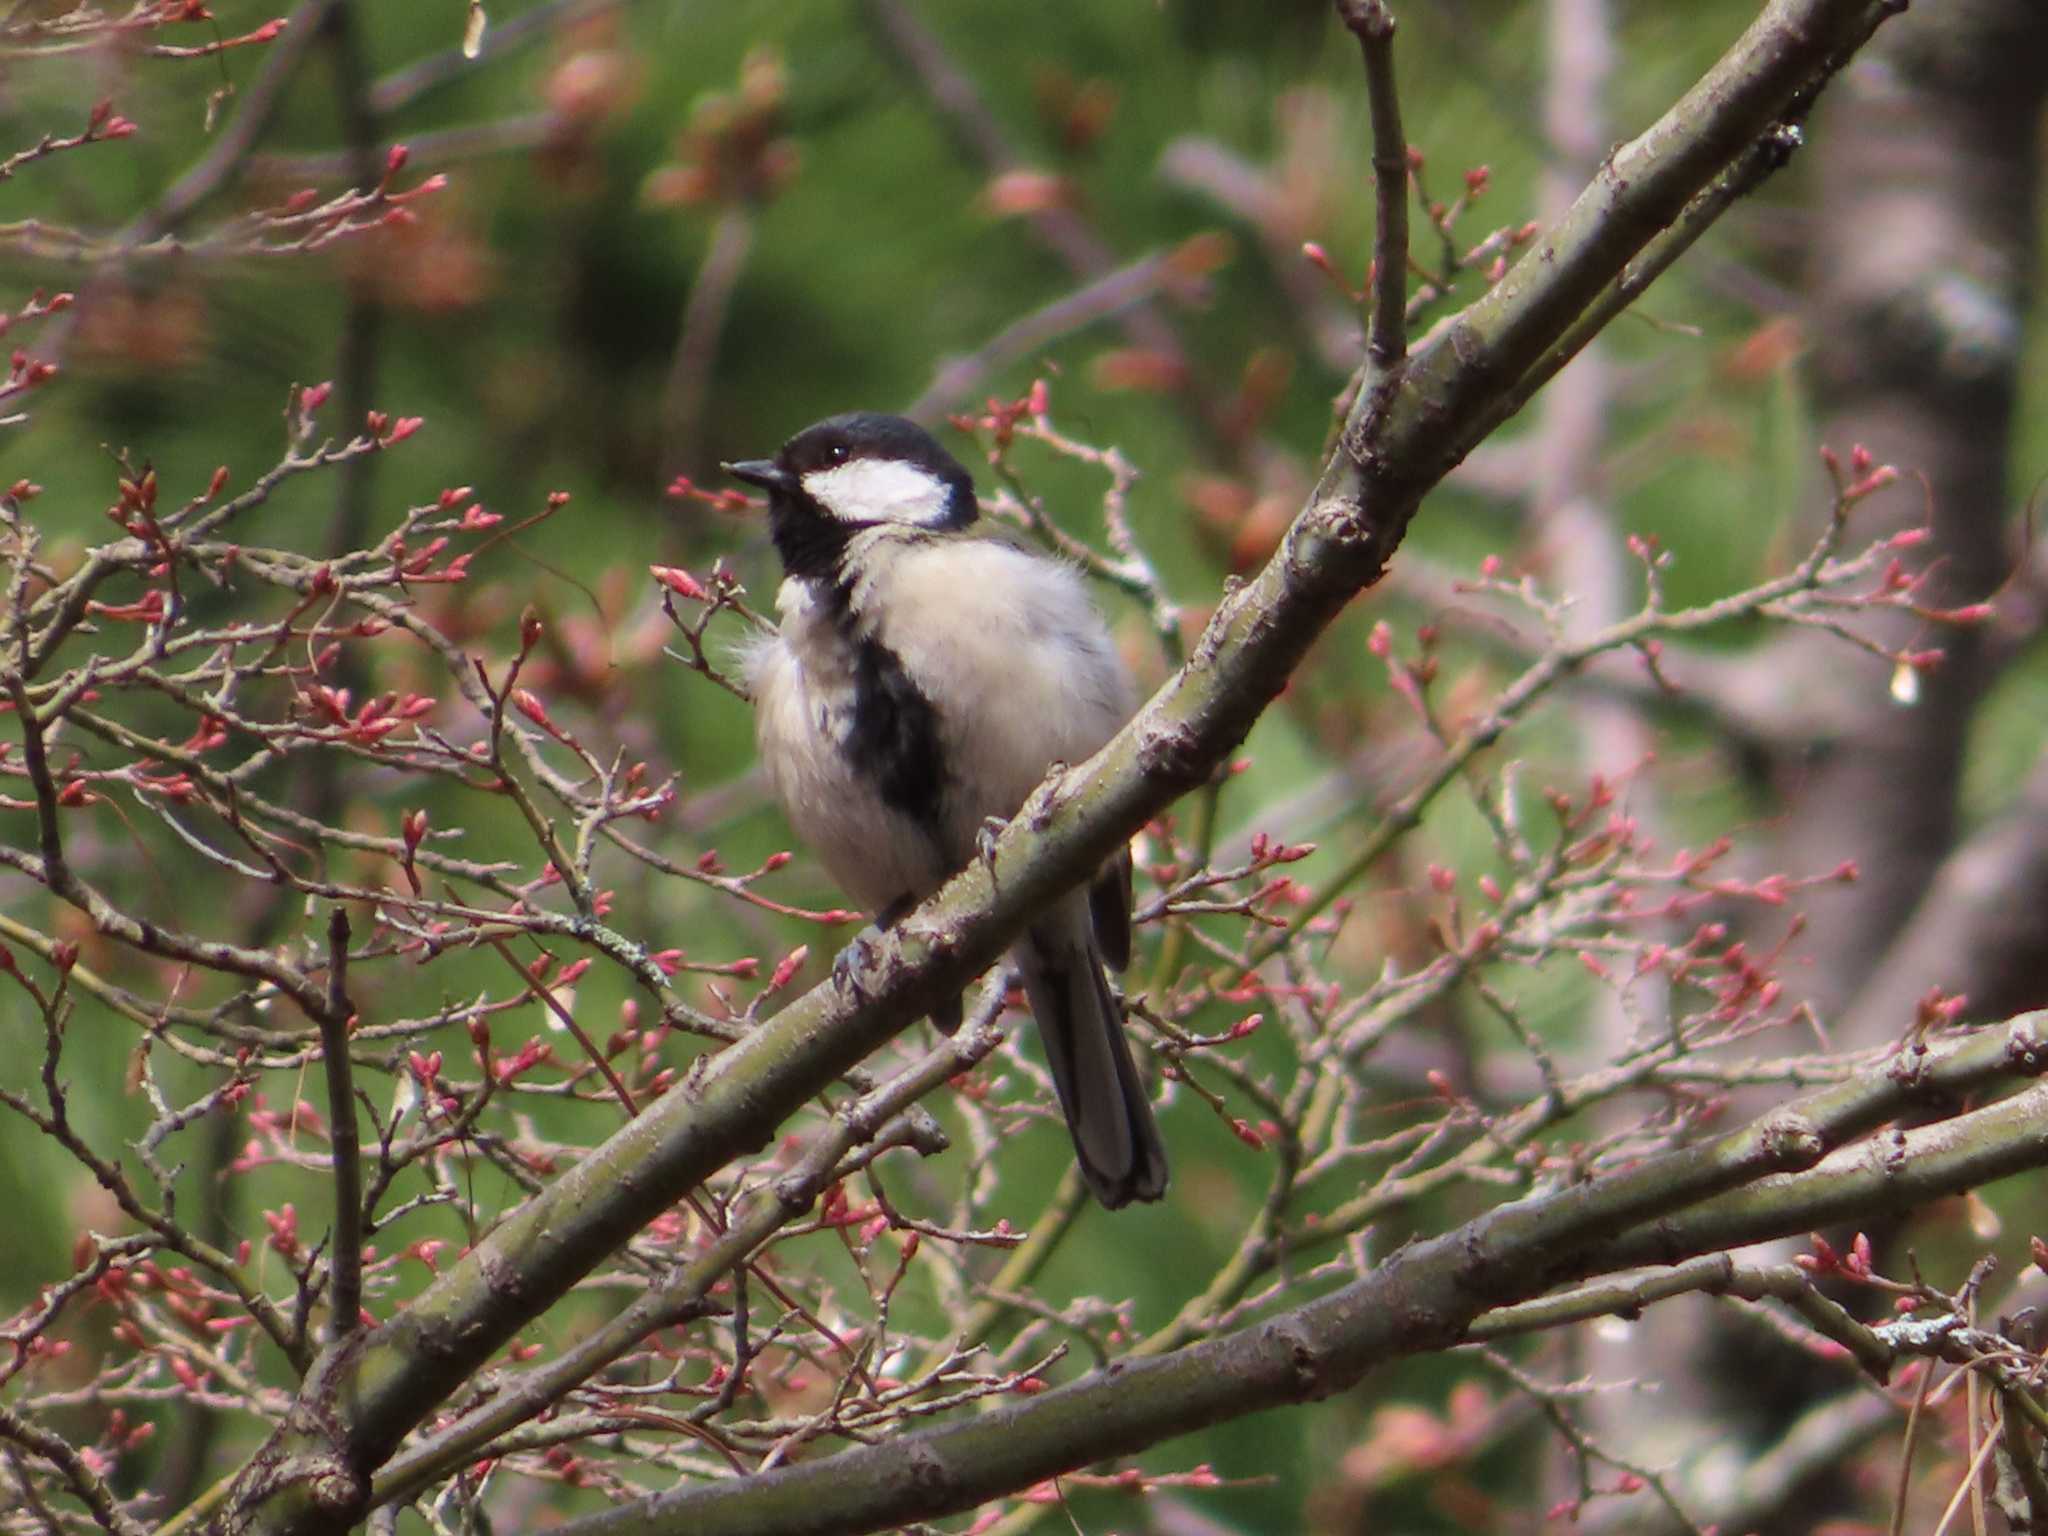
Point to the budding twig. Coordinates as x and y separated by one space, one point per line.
1372 23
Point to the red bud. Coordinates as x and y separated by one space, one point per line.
788 966
680 582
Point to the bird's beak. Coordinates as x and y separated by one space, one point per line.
765 473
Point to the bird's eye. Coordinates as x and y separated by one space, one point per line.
839 452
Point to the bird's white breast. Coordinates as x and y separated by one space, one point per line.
802 680
1003 644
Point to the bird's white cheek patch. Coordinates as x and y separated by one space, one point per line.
881 491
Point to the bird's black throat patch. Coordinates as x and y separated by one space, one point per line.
809 543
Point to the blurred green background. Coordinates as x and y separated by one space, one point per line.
533 315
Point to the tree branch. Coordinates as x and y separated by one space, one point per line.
346 1140
1424 1297
76 1470
1887 1173
1387 334
686 1293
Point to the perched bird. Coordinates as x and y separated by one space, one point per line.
926 675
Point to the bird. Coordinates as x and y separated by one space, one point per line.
926 674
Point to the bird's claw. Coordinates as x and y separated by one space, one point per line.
849 963
1044 800
992 827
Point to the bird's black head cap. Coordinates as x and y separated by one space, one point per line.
854 471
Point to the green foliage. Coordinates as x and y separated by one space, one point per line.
531 316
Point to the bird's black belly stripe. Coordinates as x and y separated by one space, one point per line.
892 731
893 736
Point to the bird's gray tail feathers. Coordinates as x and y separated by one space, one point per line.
1115 1137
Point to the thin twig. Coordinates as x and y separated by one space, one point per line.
567 1020
346 1266
1387 333
74 1468
1111 294
696 355
404 86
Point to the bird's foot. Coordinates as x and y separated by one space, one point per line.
850 962
992 827
1038 807
985 844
